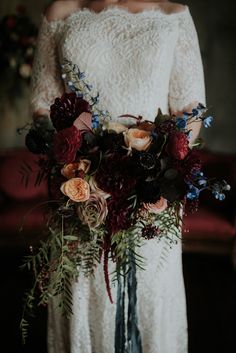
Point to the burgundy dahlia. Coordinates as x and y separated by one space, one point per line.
115 175
189 166
66 144
66 109
150 232
178 145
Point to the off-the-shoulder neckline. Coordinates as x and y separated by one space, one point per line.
119 9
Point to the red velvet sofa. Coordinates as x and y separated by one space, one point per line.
211 230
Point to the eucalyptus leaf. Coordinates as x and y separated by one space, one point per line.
160 118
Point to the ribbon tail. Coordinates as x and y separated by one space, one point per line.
120 336
133 334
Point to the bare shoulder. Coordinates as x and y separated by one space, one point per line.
174 7
59 10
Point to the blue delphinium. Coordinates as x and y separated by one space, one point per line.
95 121
95 99
195 112
81 75
207 121
181 122
193 192
218 188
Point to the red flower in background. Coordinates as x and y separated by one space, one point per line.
11 22
66 144
178 145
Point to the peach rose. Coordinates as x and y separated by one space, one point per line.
77 189
117 127
156 207
138 139
71 170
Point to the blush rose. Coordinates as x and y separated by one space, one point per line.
138 139
93 212
156 207
72 170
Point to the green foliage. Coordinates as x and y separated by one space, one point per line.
160 118
72 249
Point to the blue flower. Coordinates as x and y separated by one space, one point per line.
219 195
79 94
81 75
95 121
193 192
195 112
181 123
202 182
207 121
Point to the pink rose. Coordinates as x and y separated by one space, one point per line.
156 207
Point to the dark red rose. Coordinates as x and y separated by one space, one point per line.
66 109
66 144
177 145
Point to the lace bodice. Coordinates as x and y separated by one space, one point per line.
136 61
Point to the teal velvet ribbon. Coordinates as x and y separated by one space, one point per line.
127 335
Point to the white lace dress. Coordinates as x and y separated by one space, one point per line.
137 62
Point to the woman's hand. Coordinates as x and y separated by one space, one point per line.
41 112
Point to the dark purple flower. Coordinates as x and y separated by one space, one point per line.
119 215
115 175
36 143
150 232
148 191
66 109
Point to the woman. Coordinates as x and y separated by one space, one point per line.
139 56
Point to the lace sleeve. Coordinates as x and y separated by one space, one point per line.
46 82
186 86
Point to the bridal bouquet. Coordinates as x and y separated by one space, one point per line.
114 184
